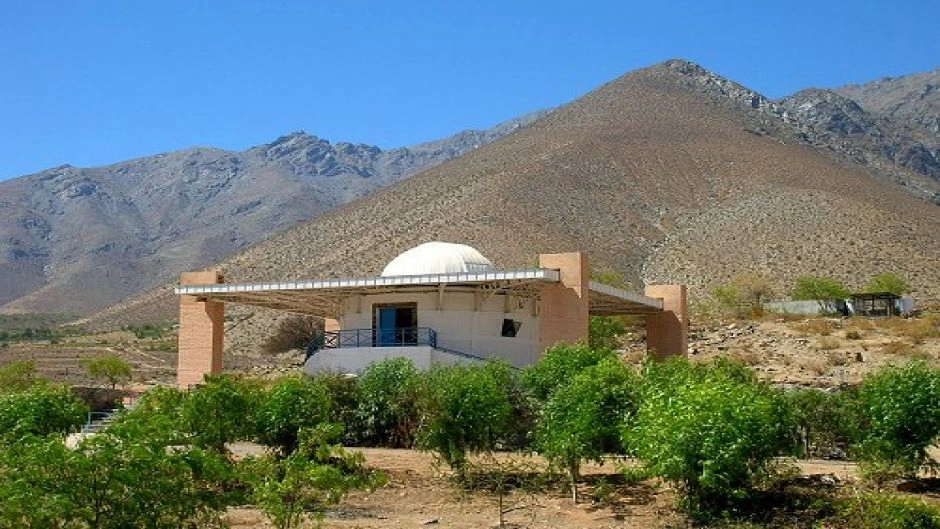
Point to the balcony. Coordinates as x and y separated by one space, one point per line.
399 337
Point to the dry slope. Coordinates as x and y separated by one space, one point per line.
655 175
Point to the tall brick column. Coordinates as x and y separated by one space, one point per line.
667 332
564 306
202 327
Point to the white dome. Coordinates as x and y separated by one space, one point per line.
437 258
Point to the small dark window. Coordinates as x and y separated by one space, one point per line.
510 328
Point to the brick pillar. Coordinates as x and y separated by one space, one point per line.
667 332
564 306
200 332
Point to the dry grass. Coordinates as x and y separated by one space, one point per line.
853 334
747 356
898 348
917 330
816 365
837 359
828 343
816 326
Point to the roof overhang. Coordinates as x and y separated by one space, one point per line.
325 297
612 301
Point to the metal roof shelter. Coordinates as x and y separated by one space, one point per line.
323 297
556 298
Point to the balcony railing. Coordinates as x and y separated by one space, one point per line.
399 337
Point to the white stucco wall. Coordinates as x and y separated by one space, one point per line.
357 359
459 327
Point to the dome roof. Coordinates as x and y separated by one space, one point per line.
437 258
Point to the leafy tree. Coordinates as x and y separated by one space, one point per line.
17 376
303 484
888 282
289 406
582 417
708 429
110 367
388 403
903 407
826 421
344 396
604 332
559 365
40 410
818 287
465 409
294 332
220 411
108 482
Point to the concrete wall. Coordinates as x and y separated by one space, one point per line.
357 359
459 327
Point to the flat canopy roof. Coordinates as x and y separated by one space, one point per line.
324 297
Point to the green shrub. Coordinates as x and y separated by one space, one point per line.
825 421
111 368
291 405
219 411
604 332
817 287
465 409
903 407
709 429
40 410
302 485
388 403
887 511
888 282
17 376
559 365
582 418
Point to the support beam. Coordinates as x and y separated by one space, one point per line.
564 306
667 332
201 332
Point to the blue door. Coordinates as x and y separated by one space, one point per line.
388 317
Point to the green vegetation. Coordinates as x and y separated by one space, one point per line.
903 407
292 405
827 423
151 331
581 419
466 409
710 429
743 296
111 368
818 287
888 282
887 511
17 376
40 410
387 410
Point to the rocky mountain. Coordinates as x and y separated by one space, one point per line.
75 240
667 174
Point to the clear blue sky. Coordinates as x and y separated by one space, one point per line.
96 82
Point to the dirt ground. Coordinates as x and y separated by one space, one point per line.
419 494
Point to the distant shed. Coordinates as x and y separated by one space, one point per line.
876 304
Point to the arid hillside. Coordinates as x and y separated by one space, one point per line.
655 175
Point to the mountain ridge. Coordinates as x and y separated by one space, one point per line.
648 176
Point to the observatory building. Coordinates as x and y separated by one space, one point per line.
435 303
